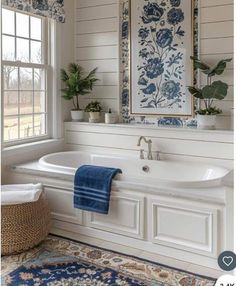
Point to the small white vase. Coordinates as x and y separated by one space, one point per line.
94 117
207 122
77 115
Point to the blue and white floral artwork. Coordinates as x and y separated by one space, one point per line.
161 38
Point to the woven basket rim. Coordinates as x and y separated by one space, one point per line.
26 203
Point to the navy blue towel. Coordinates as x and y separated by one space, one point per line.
92 188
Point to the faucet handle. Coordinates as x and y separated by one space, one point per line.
141 156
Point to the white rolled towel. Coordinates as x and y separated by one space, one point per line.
20 194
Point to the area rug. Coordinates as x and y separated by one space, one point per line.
59 261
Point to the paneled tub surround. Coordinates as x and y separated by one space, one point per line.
182 207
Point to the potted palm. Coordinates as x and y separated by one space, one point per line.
77 84
94 108
213 90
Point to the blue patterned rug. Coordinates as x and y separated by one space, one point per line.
67 263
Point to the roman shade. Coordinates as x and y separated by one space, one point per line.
49 8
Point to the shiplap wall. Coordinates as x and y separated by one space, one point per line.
97 45
185 145
216 43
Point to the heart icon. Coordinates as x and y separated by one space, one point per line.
228 260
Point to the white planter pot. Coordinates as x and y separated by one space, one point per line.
207 122
77 115
94 117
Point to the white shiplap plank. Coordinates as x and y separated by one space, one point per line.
173 146
227 76
217 30
107 79
102 65
98 39
91 3
230 95
96 53
104 92
212 3
97 26
224 122
217 14
154 132
106 104
217 46
213 59
225 105
97 12
176 157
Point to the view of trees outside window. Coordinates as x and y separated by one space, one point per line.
24 76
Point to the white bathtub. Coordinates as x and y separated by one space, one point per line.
176 209
170 173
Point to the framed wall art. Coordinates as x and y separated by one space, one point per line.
160 35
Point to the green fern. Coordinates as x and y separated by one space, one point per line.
77 83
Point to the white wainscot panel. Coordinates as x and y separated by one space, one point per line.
191 228
61 205
126 216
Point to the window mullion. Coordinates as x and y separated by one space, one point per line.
23 64
19 37
15 37
43 35
30 39
36 113
18 71
33 99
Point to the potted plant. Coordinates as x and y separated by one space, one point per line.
94 108
213 90
77 84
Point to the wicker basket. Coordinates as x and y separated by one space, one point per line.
24 226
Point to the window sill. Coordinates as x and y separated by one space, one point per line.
30 147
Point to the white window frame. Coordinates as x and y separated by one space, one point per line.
48 30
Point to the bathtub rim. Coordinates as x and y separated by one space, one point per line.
215 182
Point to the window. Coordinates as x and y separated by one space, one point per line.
24 77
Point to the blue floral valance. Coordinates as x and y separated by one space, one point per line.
49 8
